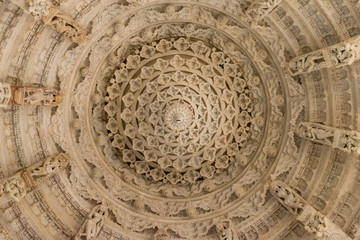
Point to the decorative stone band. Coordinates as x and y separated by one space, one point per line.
55 18
338 55
94 223
261 8
29 95
16 186
313 221
345 140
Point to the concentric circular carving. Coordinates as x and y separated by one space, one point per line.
180 120
178 114
179 110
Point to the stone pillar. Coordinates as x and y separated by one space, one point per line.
17 186
43 10
260 8
345 140
94 223
338 55
313 221
30 95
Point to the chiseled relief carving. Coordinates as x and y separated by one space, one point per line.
4 233
344 53
55 18
317 225
313 221
260 8
177 109
226 231
94 223
162 234
16 187
28 95
65 25
339 55
39 8
345 140
289 198
50 166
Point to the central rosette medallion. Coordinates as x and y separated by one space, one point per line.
178 115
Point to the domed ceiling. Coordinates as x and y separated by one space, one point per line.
146 119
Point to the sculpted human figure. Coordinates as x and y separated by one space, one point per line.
288 198
226 231
345 140
262 7
39 8
15 188
343 54
317 225
66 26
94 223
50 166
351 142
307 63
35 98
314 222
266 5
41 97
320 135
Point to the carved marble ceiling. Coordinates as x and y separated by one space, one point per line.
201 119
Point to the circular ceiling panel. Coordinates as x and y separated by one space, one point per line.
177 116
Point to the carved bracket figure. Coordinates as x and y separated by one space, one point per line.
338 55
16 187
39 8
94 223
260 8
313 221
226 231
43 10
65 25
31 95
345 140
